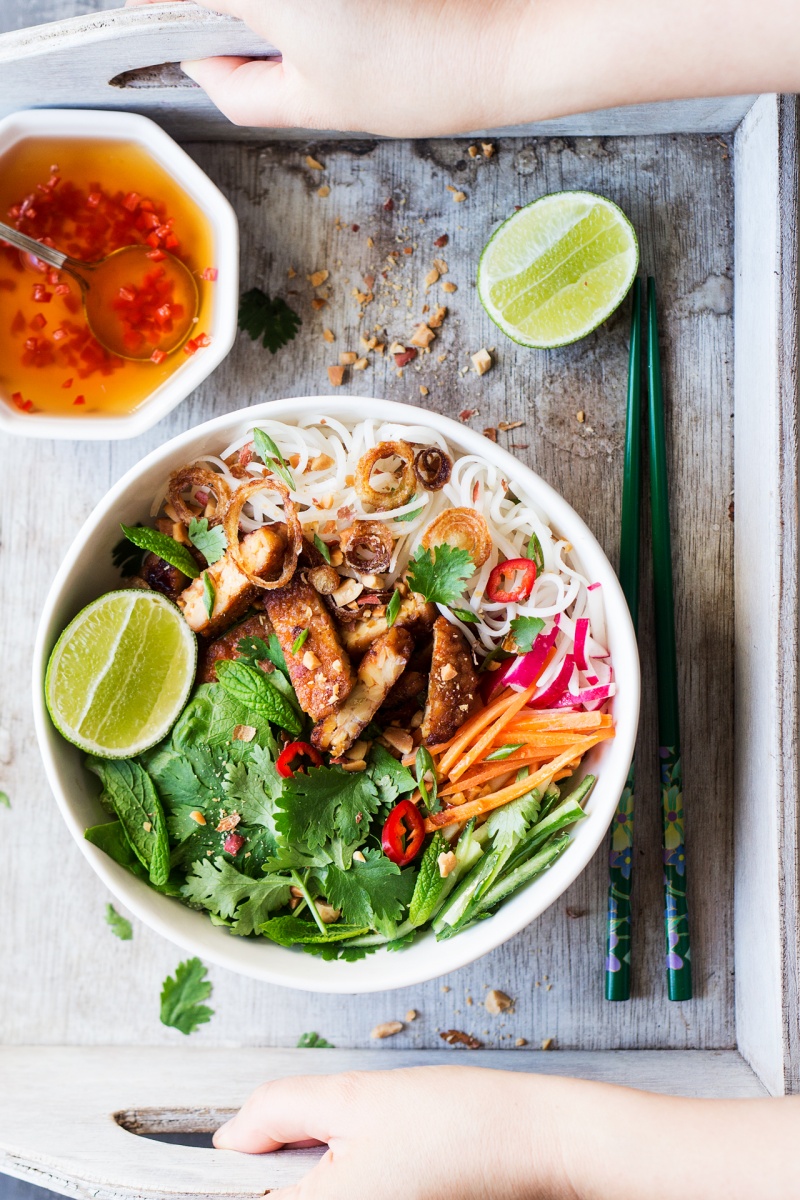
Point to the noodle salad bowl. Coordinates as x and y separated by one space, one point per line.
579 669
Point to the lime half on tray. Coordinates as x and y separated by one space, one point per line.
558 268
121 673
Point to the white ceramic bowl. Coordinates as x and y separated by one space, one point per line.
121 126
87 571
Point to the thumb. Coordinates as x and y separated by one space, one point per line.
307 1109
249 91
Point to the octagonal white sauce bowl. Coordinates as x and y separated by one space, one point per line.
87 571
54 123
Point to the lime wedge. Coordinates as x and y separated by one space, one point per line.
121 673
558 268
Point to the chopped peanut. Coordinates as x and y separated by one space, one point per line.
324 191
329 335
482 361
400 739
423 336
497 1002
446 861
447 672
197 816
336 376
439 315
387 1029
361 364
431 277
347 358
310 660
473 151
449 287
313 164
423 391
318 302
488 149
441 266
317 278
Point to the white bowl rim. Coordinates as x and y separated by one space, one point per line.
425 959
106 124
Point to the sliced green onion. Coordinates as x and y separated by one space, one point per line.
503 752
299 642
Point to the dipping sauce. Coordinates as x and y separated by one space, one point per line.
89 197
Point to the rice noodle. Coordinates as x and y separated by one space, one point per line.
326 502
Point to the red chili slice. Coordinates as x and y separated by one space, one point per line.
296 750
497 589
403 833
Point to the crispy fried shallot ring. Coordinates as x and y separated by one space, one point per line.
195 477
230 523
463 528
367 547
433 467
406 481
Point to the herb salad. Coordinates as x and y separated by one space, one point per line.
391 689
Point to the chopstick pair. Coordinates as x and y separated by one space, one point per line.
676 917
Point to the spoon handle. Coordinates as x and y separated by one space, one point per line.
53 258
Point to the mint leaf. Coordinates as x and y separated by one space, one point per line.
441 574
164 546
126 557
430 884
272 322
312 1041
128 791
120 927
244 901
390 777
212 543
209 594
324 804
271 456
525 631
210 718
393 609
293 931
256 691
181 997
323 548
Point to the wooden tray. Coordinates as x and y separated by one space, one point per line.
712 189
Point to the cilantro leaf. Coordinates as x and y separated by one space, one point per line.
312 1041
343 951
293 931
4 800
154 542
120 926
323 548
181 997
525 631
440 574
371 892
324 804
212 543
271 457
508 824
254 786
239 898
390 777
271 321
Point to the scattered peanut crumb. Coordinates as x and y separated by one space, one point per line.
459 197
290 274
521 1042
347 358
412 1013
481 361
423 391
446 861
329 335
445 988
491 433
244 733
358 856
449 287
197 816
488 149
473 151
324 191
336 376
361 364
497 1002
387 1029
506 425
423 336
547 1044
469 1001
441 266
317 278
313 164
370 243
439 314
456 1037
147 826
580 416
431 277
318 302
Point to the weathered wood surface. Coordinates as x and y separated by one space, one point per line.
766 599
125 59
83 1141
65 978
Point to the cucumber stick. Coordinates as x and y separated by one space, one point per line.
523 874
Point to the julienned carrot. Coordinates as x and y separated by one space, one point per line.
550 719
473 726
476 752
484 804
544 737
486 771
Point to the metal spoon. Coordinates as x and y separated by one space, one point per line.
101 281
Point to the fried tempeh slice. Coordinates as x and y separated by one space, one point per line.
380 668
452 686
415 615
262 551
321 671
225 647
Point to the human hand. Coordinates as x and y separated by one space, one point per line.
428 1133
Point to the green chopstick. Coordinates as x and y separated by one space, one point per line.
679 967
620 859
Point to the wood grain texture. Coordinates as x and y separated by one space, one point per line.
84 1139
125 59
766 602
65 978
